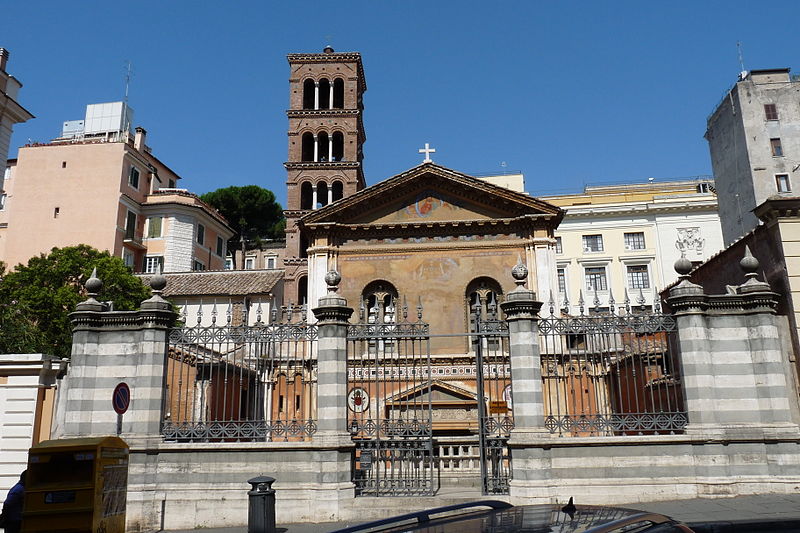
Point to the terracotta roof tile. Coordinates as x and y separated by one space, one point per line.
220 283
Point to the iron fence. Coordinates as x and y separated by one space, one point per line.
241 382
611 372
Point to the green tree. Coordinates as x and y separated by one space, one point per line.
39 296
251 210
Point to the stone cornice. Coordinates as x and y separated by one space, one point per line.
600 210
297 113
121 320
320 165
695 302
296 261
430 228
777 207
431 246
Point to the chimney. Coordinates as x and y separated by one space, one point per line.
138 140
3 59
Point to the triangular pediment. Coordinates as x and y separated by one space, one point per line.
430 193
437 392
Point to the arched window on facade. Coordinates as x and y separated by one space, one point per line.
324 94
338 146
322 194
306 195
308 94
308 147
302 290
338 190
483 303
379 302
338 93
324 147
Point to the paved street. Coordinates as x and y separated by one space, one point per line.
741 508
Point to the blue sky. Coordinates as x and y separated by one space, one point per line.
567 92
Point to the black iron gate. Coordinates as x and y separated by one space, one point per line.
494 394
399 394
389 405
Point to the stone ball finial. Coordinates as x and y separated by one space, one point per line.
683 266
94 284
519 273
332 278
158 281
748 263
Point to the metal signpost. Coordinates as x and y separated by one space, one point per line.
121 400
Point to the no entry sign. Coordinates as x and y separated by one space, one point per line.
121 398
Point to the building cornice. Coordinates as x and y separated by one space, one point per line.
334 57
297 113
321 165
649 208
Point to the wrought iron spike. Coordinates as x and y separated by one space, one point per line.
304 312
200 312
185 313
627 302
596 301
656 300
405 309
612 303
565 304
641 299
581 302
258 313
419 308
214 313
362 310
229 312
551 303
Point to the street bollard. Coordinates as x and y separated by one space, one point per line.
261 507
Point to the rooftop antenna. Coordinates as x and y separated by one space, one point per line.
504 165
128 75
742 71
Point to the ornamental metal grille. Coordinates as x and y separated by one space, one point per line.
240 383
611 373
389 406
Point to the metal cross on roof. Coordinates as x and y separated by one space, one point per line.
427 151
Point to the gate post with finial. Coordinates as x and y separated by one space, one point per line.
521 309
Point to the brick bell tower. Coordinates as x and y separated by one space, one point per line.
326 138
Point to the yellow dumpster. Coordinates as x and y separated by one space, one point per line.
76 485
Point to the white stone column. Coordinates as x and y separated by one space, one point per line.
316 95
316 148
314 197
330 194
330 100
330 148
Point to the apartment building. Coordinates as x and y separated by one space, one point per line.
100 184
623 239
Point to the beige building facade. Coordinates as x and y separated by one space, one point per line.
619 239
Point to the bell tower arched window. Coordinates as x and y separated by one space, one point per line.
308 147
324 147
323 195
338 190
308 94
338 93
302 290
325 94
306 195
337 152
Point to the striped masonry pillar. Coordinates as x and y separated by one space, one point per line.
733 364
332 315
110 347
521 310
